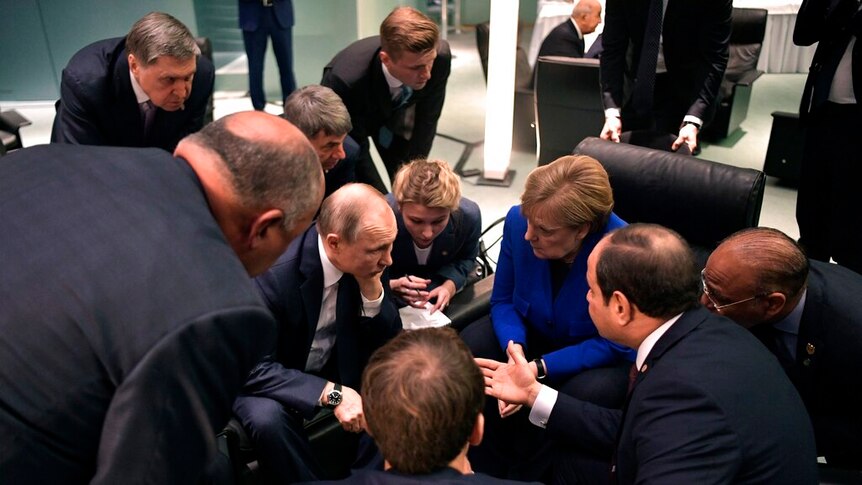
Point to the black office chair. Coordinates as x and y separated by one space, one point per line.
11 123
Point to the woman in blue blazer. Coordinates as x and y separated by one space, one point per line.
438 234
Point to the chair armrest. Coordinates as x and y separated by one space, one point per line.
13 120
749 77
471 303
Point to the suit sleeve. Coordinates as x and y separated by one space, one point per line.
354 104
161 424
714 48
508 324
428 109
378 330
582 423
465 260
612 63
294 389
74 122
810 22
588 354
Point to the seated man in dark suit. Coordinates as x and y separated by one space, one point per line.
326 293
423 396
319 113
128 322
394 86
567 39
807 313
707 402
148 89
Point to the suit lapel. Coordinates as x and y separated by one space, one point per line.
127 112
809 344
347 338
312 286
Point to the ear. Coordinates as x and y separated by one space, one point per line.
332 242
621 308
133 64
384 58
582 231
262 227
774 304
478 431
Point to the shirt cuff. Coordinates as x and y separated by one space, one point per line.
543 406
694 119
612 113
370 308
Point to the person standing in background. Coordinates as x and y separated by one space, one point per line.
259 20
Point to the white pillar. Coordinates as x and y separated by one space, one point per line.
500 97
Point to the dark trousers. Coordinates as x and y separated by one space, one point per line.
515 448
828 203
666 115
255 48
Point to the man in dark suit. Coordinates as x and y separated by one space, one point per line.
128 322
828 202
422 395
707 403
319 113
327 295
260 20
393 86
662 65
148 89
567 39
808 315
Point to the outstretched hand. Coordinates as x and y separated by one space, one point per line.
514 383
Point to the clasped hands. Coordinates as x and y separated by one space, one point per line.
413 290
514 383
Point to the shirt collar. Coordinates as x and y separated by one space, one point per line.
577 29
791 322
649 342
141 96
392 81
331 274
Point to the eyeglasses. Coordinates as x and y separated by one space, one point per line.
715 305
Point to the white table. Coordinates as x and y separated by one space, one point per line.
778 53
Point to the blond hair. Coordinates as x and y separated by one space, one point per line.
407 29
431 183
570 191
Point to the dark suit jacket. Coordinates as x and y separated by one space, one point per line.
453 254
695 35
127 323
830 24
356 74
563 41
829 361
712 407
251 11
293 290
98 106
445 476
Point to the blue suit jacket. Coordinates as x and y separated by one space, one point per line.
293 290
98 106
713 406
251 11
829 361
453 254
522 298
127 323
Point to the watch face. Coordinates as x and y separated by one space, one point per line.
334 398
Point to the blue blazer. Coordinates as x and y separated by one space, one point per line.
98 106
293 290
522 298
454 253
712 406
251 11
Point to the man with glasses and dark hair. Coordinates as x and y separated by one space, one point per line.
807 314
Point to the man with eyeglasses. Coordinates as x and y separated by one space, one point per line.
807 314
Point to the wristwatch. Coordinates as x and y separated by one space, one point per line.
334 397
689 122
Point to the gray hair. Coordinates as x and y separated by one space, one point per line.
341 212
265 174
158 34
314 108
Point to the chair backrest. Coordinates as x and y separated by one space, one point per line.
523 71
483 36
703 201
568 104
746 41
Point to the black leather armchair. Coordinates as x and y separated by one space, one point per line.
523 118
703 201
568 104
11 123
734 95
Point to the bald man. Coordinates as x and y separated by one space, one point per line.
567 39
326 293
128 322
807 313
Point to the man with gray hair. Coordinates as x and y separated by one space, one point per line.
148 89
319 113
333 311
567 39
128 321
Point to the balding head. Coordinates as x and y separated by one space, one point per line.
259 172
761 265
359 228
588 15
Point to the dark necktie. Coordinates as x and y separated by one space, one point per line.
403 96
148 115
642 95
